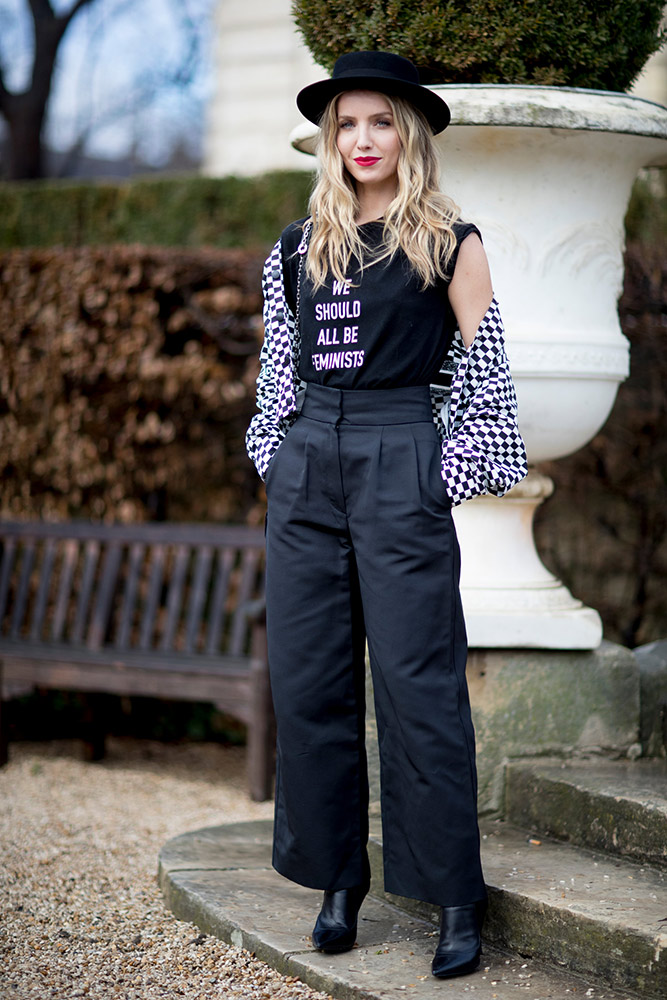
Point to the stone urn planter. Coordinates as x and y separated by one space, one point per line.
546 174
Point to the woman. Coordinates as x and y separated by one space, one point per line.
384 398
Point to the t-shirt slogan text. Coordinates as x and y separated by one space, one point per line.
340 311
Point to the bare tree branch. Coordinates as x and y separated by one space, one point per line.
147 84
74 10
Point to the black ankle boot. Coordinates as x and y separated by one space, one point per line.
460 945
336 926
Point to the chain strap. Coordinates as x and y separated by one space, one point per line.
302 250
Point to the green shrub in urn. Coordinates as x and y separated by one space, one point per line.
572 43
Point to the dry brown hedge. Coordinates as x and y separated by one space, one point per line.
126 382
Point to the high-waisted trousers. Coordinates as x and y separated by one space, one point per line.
361 547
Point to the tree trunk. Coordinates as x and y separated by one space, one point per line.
25 139
25 112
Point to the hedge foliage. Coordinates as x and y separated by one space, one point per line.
127 380
577 43
180 211
196 211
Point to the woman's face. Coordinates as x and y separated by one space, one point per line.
367 138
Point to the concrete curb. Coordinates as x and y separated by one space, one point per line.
220 879
619 807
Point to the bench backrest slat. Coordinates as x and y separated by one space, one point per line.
196 604
45 577
8 553
90 560
246 586
128 605
70 557
216 617
158 556
175 597
21 602
99 622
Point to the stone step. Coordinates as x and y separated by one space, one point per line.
615 806
221 880
569 906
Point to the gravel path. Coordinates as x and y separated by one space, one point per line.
82 915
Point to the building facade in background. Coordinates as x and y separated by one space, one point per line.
652 83
261 64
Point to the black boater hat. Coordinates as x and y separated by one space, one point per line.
381 71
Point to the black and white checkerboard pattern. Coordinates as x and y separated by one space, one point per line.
277 382
482 449
476 416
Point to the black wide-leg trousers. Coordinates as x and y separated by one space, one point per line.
361 545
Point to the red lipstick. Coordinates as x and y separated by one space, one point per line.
366 161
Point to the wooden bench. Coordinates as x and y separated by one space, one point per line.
162 610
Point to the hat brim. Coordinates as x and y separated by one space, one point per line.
313 99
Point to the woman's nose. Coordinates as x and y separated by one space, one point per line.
364 138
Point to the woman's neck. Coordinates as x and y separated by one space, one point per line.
373 202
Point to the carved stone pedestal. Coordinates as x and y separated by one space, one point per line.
509 597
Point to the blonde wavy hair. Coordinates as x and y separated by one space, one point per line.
418 221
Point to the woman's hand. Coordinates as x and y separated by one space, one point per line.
470 290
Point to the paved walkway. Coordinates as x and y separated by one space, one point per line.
221 879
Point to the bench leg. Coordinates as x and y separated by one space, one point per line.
261 731
4 735
94 727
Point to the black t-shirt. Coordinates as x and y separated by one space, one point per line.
380 330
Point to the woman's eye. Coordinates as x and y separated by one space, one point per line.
385 123
345 125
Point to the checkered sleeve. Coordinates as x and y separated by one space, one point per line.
276 402
482 448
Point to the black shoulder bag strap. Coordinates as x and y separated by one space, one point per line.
302 250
